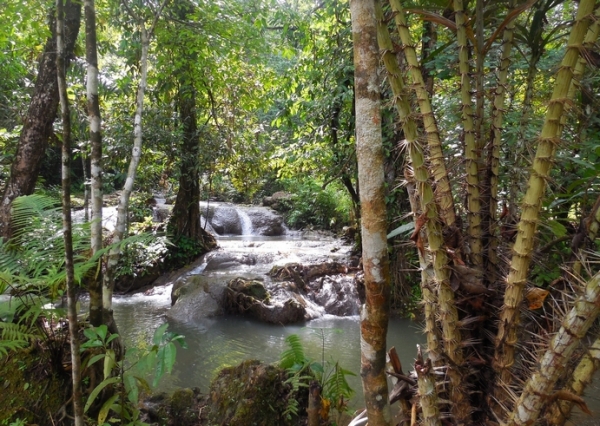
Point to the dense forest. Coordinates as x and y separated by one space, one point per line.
456 143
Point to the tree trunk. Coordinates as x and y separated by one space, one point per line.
37 127
136 154
93 105
427 391
490 194
369 153
185 218
66 213
506 338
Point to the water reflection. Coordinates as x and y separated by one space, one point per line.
215 343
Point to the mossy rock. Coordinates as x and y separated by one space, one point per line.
251 288
253 394
33 388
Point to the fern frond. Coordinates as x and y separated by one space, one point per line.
14 337
294 355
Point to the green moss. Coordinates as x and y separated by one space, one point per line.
252 394
31 391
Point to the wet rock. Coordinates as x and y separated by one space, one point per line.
183 407
224 220
253 394
222 260
250 297
265 222
337 294
196 297
161 212
302 274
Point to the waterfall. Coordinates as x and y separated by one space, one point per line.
245 222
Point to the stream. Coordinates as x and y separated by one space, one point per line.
251 241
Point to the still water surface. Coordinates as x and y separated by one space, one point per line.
215 343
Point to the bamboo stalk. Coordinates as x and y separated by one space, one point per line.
549 138
582 376
539 387
443 190
588 365
472 150
427 391
494 149
447 311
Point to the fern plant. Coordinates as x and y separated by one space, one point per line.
32 269
331 376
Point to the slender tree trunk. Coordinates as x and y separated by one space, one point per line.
427 391
506 338
490 195
66 213
427 48
369 153
422 199
136 154
93 105
37 127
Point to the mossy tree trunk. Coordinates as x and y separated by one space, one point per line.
369 153
39 120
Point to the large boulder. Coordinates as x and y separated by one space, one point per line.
280 201
223 218
250 297
254 394
265 222
195 297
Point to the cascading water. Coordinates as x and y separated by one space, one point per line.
250 250
245 222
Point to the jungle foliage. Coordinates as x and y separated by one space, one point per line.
490 134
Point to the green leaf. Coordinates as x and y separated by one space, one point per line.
403 229
97 390
557 228
95 358
103 413
158 334
109 362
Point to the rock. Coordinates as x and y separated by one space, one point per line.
161 212
224 219
245 297
181 408
302 274
253 394
279 201
265 222
195 297
337 294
